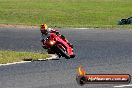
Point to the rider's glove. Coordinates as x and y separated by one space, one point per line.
62 36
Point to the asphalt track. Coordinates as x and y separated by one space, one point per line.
98 51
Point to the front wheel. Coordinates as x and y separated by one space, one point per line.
63 52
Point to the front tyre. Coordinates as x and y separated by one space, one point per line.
63 52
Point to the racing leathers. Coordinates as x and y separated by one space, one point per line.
45 35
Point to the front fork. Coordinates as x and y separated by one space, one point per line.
56 50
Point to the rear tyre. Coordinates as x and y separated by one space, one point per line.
50 51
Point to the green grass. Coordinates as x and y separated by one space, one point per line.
65 13
13 56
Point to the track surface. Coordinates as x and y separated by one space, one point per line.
98 51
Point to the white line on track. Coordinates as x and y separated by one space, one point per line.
15 63
130 85
50 58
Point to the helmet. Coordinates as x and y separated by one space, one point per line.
43 28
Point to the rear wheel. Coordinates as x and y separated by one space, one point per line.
50 51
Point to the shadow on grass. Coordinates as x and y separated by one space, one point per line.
29 59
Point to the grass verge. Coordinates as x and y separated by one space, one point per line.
65 13
13 56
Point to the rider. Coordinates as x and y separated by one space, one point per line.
45 33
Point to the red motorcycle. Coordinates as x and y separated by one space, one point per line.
57 45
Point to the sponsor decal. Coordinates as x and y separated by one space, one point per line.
84 78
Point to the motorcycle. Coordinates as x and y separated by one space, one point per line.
57 45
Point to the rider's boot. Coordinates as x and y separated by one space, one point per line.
59 55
